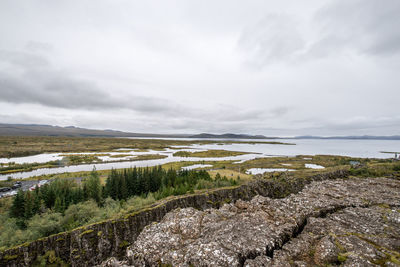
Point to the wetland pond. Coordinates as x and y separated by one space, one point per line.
351 148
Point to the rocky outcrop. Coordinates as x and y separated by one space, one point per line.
355 236
354 222
90 245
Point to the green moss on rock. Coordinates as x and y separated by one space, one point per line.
10 257
86 232
123 244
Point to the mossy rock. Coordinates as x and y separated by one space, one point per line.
10 257
123 244
86 232
49 259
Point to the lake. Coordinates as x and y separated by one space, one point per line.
352 148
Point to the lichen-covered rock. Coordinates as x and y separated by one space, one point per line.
325 251
260 261
352 237
353 221
113 262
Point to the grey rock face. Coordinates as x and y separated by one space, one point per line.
352 222
352 237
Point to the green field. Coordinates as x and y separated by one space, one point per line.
17 146
209 153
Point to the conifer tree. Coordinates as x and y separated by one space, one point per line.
18 206
93 186
58 207
29 203
123 188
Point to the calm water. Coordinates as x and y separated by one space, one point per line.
352 148
263 170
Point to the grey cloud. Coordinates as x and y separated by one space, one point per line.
356 125
363 26
234 114
368 26
363 123
254 67
41 83
272 39
23 60
35 46
55 91
280 111
47 86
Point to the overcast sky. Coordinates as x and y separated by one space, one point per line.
327 67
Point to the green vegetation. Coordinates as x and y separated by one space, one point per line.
49 259
12 167
179 164
7 183
230 173
148 157
163 183
120 155
209 153
64 204
376 170
17 146
75 159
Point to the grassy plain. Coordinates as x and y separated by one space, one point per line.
230 174
372 167
17 146
217 153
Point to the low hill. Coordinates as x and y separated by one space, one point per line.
49 130
354 137
230 136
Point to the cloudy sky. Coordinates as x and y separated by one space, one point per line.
328 67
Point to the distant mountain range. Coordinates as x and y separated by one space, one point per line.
355 137
231 136
49 130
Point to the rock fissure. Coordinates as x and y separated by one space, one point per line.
327 240
322 214
293 231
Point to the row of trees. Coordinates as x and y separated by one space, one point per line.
140 181
120 185
56 196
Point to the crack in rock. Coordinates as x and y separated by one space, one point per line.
304 229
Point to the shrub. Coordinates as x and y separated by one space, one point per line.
44 225
396 167
81 213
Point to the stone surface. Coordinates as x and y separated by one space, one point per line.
354 236
354 222
113 262
259 261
